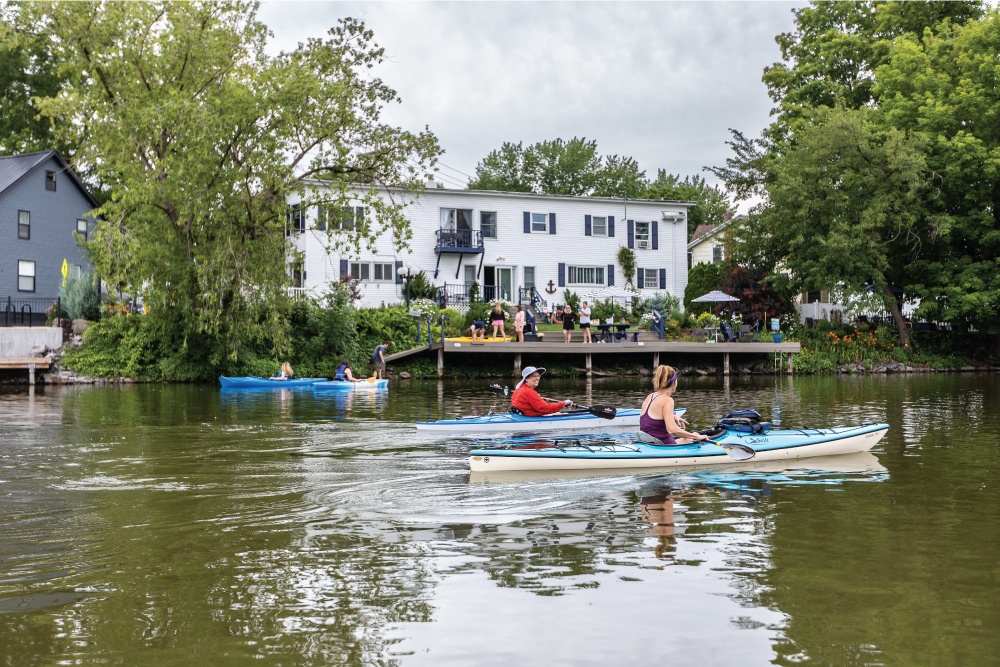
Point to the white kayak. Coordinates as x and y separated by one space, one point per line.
575 421
772 445
346 385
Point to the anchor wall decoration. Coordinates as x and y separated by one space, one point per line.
551 289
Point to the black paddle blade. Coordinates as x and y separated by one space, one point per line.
603 411
499 389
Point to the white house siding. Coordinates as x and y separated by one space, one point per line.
513 247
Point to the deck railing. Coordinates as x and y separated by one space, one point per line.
459 239
27 312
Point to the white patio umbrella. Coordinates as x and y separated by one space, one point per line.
714 296
611 292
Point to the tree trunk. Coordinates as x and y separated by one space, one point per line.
897 315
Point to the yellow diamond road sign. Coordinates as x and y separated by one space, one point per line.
65 270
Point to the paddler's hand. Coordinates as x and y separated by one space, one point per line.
567 404
681 422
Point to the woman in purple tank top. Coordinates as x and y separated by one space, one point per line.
657 419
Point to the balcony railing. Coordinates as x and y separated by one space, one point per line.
459 240
462 294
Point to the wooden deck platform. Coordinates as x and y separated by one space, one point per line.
653 348
31 364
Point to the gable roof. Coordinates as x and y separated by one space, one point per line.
700 231
704 232
15 167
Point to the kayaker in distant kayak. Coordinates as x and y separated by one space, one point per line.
657 418
344 372
286 372
526 398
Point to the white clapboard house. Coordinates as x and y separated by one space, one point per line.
512 245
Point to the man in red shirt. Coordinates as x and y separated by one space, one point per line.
526 398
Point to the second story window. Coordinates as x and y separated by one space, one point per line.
717 254
456 219
50 181
642 235
539 222
24 225
600 226
488 224
81 228
25 275
296 219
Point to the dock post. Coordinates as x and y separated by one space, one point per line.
656 360
441 361
31 375
517 364
725 363
590 367
790 358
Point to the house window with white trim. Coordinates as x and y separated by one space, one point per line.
642 235
717 254
77 272
599 227
586 275
81 228
540 223
50 181
25 275
488 224
24 225
650 279
384 271
361 270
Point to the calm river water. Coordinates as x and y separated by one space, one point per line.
172 525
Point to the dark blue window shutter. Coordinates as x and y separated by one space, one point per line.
562 275
611 225
399 278
630 224
640 278
663 279
654 232
344 268
527 222
348 218
611 275
586 225
552 223
321 218
361 216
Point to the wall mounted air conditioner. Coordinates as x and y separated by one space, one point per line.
643 245
673 215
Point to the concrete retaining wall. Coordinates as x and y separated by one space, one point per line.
17 342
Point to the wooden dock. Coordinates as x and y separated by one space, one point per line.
653 348
31 364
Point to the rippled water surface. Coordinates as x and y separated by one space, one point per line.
167 525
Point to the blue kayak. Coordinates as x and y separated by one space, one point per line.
771 445
256 382
347 385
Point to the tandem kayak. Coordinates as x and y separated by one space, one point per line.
771 445
508 422
347 385
253 381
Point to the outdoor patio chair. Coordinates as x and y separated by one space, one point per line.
727 333
746 330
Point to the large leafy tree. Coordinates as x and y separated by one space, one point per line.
203 137
943 87
559 167
845 205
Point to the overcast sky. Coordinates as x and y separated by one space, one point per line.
661 82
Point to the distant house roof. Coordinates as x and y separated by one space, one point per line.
15 167
703 232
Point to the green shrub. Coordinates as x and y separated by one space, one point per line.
477 311
814 363
80 299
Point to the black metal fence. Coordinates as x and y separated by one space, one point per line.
463 294
27 312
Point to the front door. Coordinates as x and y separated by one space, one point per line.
505 281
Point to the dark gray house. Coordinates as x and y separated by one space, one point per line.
42 210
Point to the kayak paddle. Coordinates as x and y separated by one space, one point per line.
736 452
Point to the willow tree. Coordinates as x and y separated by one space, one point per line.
202 137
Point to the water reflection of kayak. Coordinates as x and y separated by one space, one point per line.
346 385
772 445
856 463
509 423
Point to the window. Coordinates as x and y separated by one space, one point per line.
539 222
25 276
650 279
296 219
717 254
470 274
488 225
456 218
641 234
347 217
297 277
600 226
77 272
529 277
586 275
384 271
23 225
81 228
361 270
50 181
814 297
